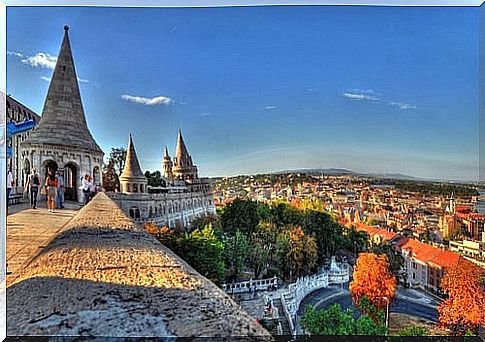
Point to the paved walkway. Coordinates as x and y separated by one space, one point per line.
29 230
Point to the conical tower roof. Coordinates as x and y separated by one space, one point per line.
165 152
63 121
181 151
132 169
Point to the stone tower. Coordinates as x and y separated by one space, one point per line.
132 179
62 141
183 168
167 166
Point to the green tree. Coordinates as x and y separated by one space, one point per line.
356 241
396 260
154 178
202 249
283 215
236 251
118 156
335 321
240 215
327 232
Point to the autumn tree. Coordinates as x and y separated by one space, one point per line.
372 279
463 309
110 178
297 252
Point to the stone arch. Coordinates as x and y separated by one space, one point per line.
70 176
96 175
142 188
135 213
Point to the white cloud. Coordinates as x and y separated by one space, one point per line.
159 100
16 54
270 107
206 114
80 80
43 60
360 97
402 106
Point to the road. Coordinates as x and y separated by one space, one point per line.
408 302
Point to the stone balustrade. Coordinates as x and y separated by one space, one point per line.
297 291
103 275
251 285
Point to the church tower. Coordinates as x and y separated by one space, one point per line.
167 166
62 140
132 179
183 168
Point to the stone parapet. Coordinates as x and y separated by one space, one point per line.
105 276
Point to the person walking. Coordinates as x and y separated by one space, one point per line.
51 187
60 191
10 183
32 186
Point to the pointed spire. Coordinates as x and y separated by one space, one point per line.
181 151
63 121
165 153
132 169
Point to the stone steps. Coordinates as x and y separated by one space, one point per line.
283 320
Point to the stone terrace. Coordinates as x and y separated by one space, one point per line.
104 276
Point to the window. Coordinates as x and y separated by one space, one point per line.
135 187
414 275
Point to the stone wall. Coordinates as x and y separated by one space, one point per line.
104 276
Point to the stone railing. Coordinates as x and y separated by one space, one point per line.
103 275
296 292
251 285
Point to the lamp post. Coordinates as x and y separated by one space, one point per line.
387 314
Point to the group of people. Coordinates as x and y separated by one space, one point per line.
53 188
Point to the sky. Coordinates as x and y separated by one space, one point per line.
268 88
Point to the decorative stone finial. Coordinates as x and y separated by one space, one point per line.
66 28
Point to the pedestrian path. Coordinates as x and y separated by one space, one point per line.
29 231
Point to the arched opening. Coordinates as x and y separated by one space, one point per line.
96 176
70 181
135 187
135 213
48 166
141 188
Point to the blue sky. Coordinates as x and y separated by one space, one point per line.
256 89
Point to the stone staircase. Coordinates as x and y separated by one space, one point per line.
283 320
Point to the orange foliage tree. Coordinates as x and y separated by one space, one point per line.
372 279
464 308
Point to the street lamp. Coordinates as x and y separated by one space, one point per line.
387 313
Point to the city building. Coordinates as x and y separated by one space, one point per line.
61 140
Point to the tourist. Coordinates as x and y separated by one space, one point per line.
10 183
32 186
86 188
51 189
60 190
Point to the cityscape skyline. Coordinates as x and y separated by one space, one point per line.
384 101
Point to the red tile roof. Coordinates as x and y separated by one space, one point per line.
421 251
372 231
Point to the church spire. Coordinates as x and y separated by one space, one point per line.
132 178
181 151
63 121
182 162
